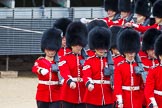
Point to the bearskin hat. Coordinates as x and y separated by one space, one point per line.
149 38
111 5
51 39
62 24
99 38
128 41
114 30
143 7
94 23
124 5
76 34
157 7
158 46
152 1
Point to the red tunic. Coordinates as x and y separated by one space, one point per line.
69 70
125 75
117 59
142 54
154 82
142 28
102 93
63 51
46 93
111 23
90 53
149 63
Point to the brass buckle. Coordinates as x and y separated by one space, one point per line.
132 88
49 83
78 79
102 81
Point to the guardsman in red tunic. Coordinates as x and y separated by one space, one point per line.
62 24
98 89
111 7
127 83
156 13
147 54
153 87
149 37
126 11
90 26
117 57
70 66
48 89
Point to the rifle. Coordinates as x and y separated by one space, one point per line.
116 17
146 22
139 69
55 68
84 55
130 17
109 71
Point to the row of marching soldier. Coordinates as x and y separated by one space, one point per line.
105 63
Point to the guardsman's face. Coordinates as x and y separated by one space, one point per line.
160 57
63 41
111 13
140 19
124 14
76 49
100 52
158 20
130 56
50 53
115 51
151 53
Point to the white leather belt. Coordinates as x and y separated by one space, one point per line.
77 79
48 82
158 92
130 88
101 81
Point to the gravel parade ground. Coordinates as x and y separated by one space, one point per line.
18 92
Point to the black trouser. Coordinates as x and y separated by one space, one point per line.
72 105
143 106
95 106
41 104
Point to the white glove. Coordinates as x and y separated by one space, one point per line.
83 20
44 71
72 85
120 101
90 87
120 106
153 101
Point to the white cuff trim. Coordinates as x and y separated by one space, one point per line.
153 101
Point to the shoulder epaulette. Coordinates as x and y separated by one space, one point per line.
91 57
40 58
68 53
120 63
